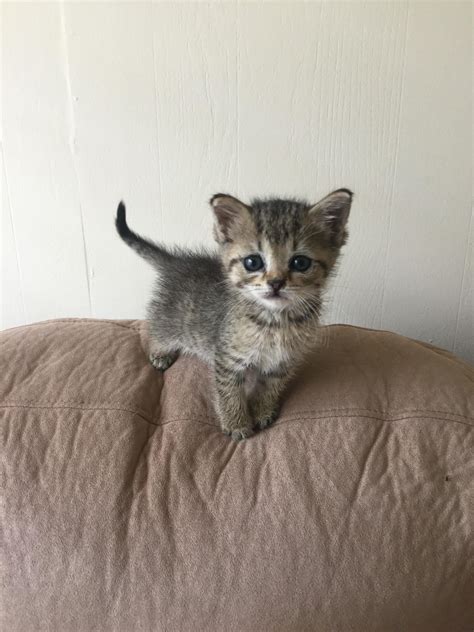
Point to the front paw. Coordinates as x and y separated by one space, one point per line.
238 428
264 415
162 362
265 420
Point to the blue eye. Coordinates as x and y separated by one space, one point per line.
300 263
253 263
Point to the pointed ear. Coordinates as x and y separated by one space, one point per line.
228 212
331 213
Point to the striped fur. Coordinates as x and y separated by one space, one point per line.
208 304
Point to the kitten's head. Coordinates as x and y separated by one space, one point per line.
279 253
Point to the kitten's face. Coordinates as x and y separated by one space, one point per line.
279 253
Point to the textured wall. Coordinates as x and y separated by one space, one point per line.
164 103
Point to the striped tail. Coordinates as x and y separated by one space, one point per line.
150 251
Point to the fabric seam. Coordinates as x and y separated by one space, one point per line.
320 415
311 411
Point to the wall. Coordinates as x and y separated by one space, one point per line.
163 104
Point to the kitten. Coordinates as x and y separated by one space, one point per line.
253 306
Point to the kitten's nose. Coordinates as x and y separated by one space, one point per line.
276 284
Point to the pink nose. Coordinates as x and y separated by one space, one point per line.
276 284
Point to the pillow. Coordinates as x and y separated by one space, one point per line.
126 508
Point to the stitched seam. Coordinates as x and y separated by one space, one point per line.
75 403
292 420
298 413
311 411
91 408
384 413
361 415
383 419
204 420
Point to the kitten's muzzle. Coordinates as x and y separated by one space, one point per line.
276 285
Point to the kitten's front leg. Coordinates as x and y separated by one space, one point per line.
231 402
266 402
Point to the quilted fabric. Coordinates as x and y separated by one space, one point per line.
126 509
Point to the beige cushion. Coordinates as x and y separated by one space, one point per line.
126 509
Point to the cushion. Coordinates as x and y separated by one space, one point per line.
125 507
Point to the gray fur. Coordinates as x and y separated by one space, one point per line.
207 304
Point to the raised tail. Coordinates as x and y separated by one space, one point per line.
152 252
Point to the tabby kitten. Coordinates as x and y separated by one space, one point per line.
250 310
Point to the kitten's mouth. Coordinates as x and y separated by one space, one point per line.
276 296
271 299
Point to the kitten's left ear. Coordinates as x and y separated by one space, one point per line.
332 213
229 213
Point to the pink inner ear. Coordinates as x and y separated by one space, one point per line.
225 216
227 211
331 214
336 213
334 210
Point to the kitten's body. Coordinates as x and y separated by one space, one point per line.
177 317
208 305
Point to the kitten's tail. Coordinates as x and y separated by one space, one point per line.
150 251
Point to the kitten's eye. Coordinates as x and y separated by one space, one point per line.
253 263
300 263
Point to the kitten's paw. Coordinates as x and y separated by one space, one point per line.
162 362
239 434
266 420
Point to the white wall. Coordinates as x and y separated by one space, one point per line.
165 103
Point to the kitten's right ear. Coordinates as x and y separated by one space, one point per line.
229 212
331 215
